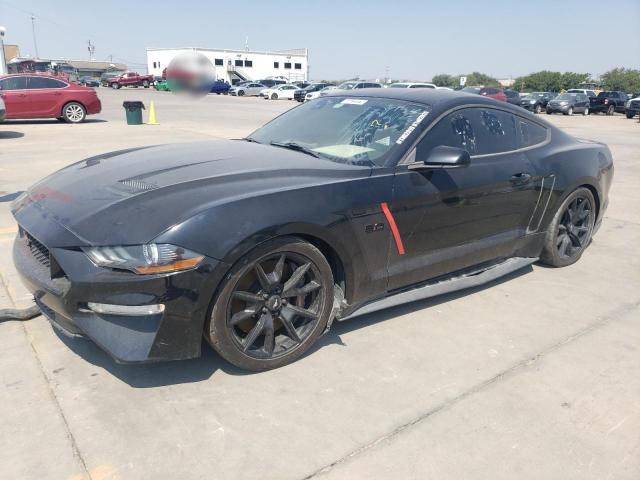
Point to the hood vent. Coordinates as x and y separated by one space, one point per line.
137 186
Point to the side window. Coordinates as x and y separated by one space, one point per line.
13 83
454 130
40 82
531 133
495 130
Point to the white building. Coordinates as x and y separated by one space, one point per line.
238 65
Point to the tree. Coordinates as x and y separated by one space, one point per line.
445 80
622 79
477 78
547 81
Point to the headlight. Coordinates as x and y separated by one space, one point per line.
564 103
144 259
627 104
532 102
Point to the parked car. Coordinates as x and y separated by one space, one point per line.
162 86
357 85
586 91
248 89
43 96
131 79
278 92
160 246
568 104
301 94
632 107
490 92
513 97
411 85
608 102
3 112
321 93
105 77
536 101
219 87
88 81
271 82
301 84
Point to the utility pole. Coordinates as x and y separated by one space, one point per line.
92 49
3 64
33 31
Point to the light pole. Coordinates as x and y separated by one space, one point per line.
3 64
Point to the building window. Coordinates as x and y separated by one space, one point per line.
154 64
219 62
276 64
248 63
298 66
287 65
238 63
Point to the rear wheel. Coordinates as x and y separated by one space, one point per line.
115 86
274 303
611 110
145 83
537 108
73 112
570 230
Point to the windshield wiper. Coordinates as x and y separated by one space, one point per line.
295 146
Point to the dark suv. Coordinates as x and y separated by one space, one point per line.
609 102
314 87
536 101
513 97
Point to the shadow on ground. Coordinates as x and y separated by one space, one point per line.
50 121
7 135
200 369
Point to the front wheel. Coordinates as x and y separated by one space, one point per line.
73 112
586 111
629 115
537 108
570 230
274 96
274 303
549 112
115 86
240 93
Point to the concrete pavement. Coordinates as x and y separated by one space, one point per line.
534 376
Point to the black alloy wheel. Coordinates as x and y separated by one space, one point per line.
274 304
570 231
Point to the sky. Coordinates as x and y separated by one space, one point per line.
414 40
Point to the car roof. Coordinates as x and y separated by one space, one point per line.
439 100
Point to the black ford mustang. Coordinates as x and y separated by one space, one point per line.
345 205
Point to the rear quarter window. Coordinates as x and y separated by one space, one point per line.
531 133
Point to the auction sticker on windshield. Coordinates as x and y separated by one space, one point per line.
411 127
354 101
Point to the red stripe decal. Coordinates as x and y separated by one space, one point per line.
394 227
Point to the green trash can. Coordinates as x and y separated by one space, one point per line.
134 112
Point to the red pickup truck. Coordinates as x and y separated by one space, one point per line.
131 79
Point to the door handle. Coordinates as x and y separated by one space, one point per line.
520 178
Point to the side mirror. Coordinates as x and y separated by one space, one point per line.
443 157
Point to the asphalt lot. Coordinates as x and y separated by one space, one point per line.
536 376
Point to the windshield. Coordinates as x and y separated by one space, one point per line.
471 89
399 85
359 131
566 96
535 95
347 85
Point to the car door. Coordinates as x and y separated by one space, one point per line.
45 95
452 219
287 91
582 102
13 91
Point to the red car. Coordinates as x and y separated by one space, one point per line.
491 92
46 96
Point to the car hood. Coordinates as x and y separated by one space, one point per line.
132 196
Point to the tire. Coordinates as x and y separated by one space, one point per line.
537 109
570 111
274 96
74 112
240 93
611 110
586 111
549 112
145 83
578 236
243 292
629 115
115 86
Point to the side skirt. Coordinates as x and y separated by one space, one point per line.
467 280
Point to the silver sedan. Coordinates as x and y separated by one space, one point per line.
247 89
